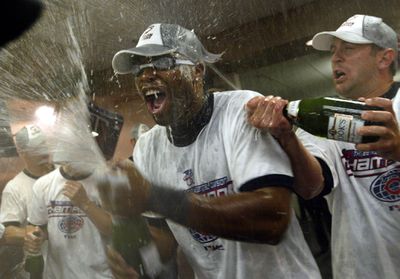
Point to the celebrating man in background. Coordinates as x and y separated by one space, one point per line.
363 179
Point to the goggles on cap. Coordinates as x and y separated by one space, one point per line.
162 64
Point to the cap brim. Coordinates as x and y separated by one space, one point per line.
123 60
323 40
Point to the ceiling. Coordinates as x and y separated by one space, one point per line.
71 46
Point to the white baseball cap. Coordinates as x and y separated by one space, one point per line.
161 39
30 136
359 29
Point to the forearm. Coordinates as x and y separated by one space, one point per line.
100 217
260 216
308 176
13 236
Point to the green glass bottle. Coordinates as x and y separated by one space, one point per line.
331 118
131 238
34 264
130 233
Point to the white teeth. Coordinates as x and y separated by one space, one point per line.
339 73
152 92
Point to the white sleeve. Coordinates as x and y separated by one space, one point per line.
37 208
320 148
12 206
253 154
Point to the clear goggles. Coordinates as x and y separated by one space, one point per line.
162 64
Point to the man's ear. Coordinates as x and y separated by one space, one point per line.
386 58
199 70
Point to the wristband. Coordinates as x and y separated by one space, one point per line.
172 204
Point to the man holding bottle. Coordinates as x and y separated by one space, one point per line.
17 195
363 179
224 189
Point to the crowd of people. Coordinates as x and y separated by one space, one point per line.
216 175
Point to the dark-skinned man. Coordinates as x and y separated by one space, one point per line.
224 189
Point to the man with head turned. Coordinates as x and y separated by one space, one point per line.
361 181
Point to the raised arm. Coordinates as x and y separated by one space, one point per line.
266 113
100 217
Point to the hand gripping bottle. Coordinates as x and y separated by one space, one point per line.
130 234
34 263
332 118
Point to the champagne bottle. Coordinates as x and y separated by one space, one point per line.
130 233
131 238
34 263
332 118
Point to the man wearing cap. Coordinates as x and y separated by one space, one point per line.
66 203
32 149
363 179
224 188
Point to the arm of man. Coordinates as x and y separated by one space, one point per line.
100 217
258 216
267 113
13 235
388 145
12 215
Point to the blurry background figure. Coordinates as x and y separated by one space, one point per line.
136 131
66 202
32 149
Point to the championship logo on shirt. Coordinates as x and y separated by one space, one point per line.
70 224
386 187
214 188
69 217
364 163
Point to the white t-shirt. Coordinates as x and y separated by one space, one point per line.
15 198
227 153
76 248
365 206
14 206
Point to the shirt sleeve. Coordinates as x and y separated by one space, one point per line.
321 149
13 207
37 208
256 159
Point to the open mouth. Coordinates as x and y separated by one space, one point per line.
339 75
155 100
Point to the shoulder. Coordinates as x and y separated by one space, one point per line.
156 132
14 183
235 96
48 178
233 102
